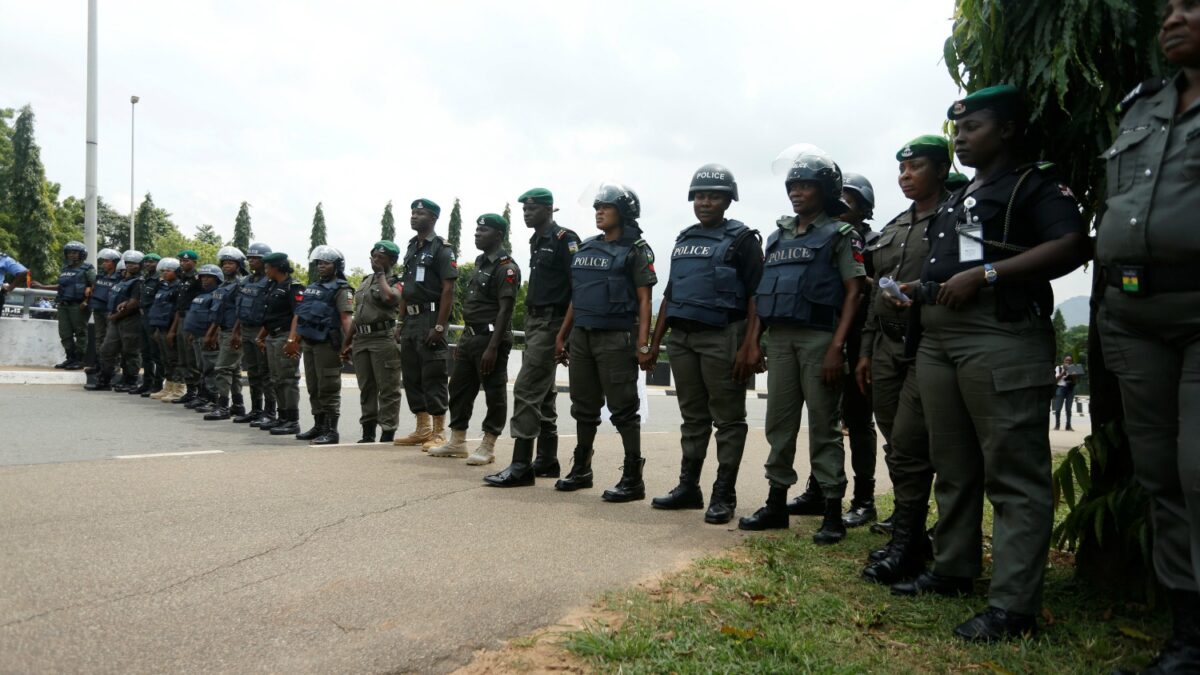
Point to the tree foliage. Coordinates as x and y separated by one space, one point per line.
151 223
387 224
242 232
466 272
207 234
30 209
507 215
455 234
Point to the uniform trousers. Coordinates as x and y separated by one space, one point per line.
424 367
377 367
708 396
323 377
535 391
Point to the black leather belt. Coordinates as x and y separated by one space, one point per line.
477 329
367 329
894 330
1145 280
276 332
415 308
547 311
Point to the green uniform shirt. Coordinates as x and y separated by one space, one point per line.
344 300
899 253
641 265
496 276
91 276
427 264
847 250
550 267
1153 169
369 307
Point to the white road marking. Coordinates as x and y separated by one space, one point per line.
171 454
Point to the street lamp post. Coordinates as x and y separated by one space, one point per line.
132 111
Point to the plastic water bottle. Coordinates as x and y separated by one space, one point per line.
888 285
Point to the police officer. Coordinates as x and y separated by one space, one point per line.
481 356
606 335
985 362
372 346
152 364
97 300
546 298
227 368
323 321
161 318
283 294
899 254
74 286
197 322
251 307
429 273
709 307
189 288
808 297
1146 248
122 343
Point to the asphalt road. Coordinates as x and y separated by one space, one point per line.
273 556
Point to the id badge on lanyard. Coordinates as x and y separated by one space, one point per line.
970 235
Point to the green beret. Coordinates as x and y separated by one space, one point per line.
537 196
1002 99
276 258
492 220
189 254
956 180
389 247
428 205
152 257
929 145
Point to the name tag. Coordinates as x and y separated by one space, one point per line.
970 249
420 273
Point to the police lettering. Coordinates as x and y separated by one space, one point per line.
690 250
790 254
592 262
713 175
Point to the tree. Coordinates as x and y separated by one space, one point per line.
466 272
387 225
207 234
455 234
1060 329
1075 60
507 215
30 209
150 223
112 227
242 232
316 237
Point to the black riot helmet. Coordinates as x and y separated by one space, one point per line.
620 196
257 250
76 246
713 178
824 172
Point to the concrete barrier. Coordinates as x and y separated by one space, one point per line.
29 342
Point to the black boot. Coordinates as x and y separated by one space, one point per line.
832 529
546 464
862 507
994 624
882 526
237 405
723 502
932 582
580 475
630 488
220 411
201 397
1057 421
904 557
147 384
155 386
74 365
103 381
267 419
368 433
520 472
1069 424
773 516
123 384
287 424
317 427
254 413
1181 653
687 494
810 503
189 395
69 360
329 435
205 402
387 435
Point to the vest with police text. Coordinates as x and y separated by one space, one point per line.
317 312
601 289
200 314
704 285
162 311
122 291
224 304
801 285
101 290
252 300
72 281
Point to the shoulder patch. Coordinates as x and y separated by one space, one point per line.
845 228
561 234
1149 87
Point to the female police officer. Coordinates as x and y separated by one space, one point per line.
985 363
1147 246
275 336
612 275
323 321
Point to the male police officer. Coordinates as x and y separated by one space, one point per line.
276 333
227 369
481 357
152 363
371 345
197 322
546 299
429 273
189 288
808 297
73 287
709 307
323 321
97 300
161 317
251 307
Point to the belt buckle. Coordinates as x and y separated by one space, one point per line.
412 310
1133 279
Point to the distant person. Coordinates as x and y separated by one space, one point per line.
323 324
9 267
373 348
1064 389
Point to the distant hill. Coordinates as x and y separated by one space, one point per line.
1075 310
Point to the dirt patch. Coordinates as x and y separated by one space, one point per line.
543 651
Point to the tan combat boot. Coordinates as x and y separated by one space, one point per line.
485 453
438 434
166 389
422 433
455 447
177 392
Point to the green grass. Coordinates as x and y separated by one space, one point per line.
780 604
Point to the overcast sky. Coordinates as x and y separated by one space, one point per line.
284 104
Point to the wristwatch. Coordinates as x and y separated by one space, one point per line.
440 328
989 273
644 349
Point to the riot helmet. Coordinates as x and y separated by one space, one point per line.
713 178
859 184
76 246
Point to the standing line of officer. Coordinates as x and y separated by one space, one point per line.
152 362
121 347
251 310
276 334
97 299
161 318
323 323
373 349
196 324
187 369
227 367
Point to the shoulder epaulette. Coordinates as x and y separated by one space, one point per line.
1045 166
1149 87
642 243
845 228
